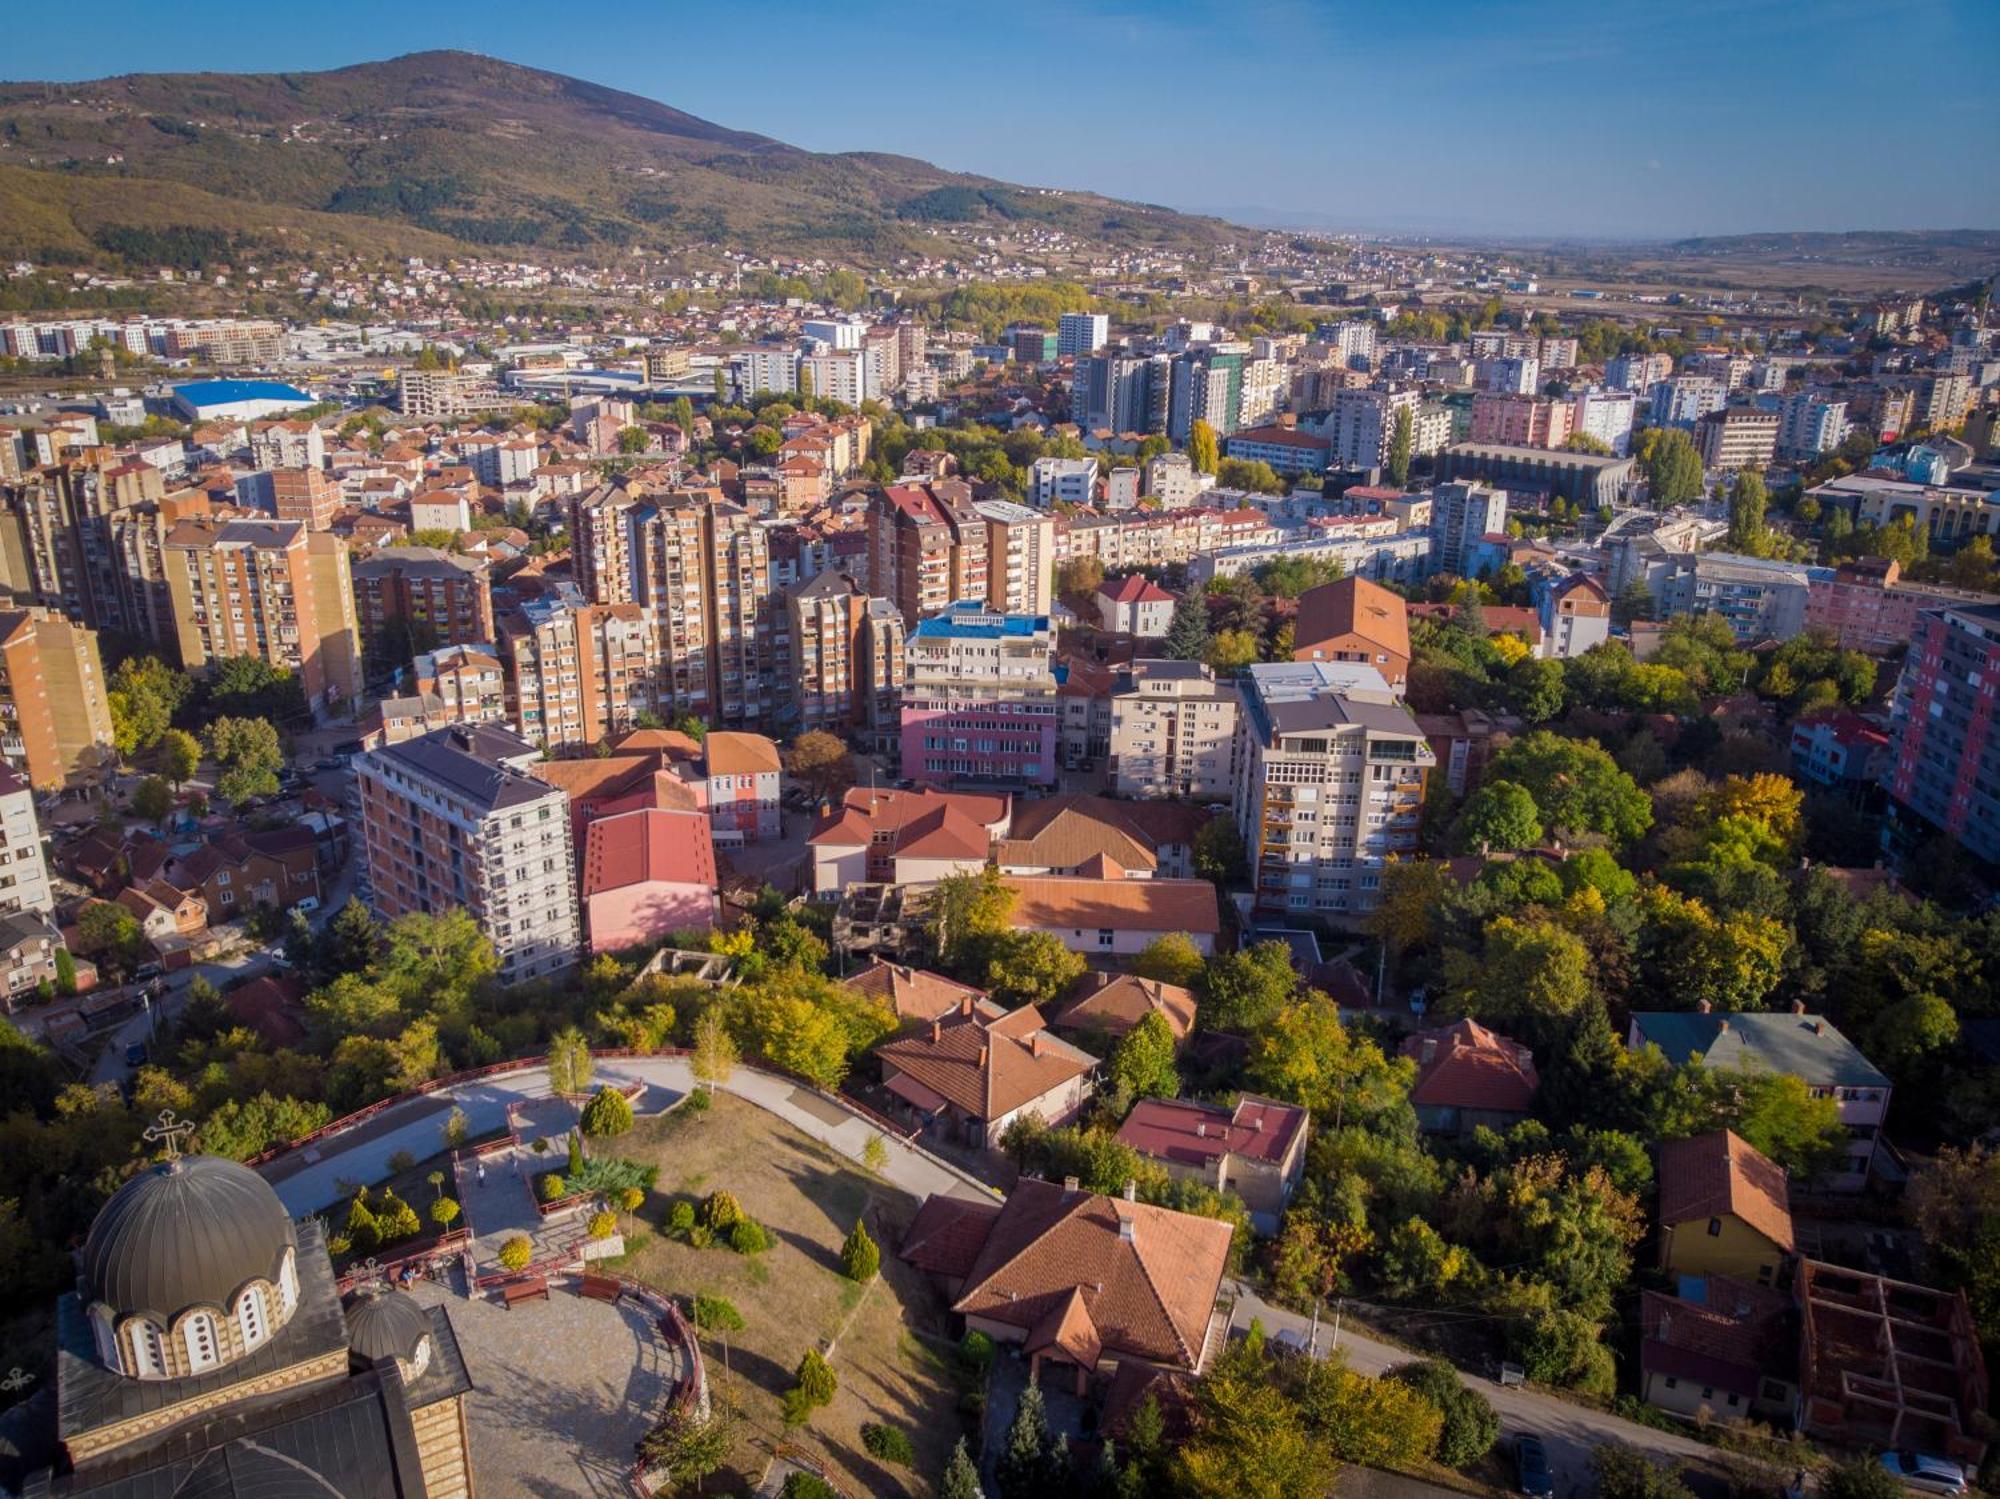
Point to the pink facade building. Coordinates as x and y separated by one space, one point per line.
980 703
743 775
645 874
1866 606
1520 421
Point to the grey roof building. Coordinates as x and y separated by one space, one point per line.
1805 1046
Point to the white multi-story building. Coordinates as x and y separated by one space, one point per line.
849 376
1362 423
1264 384
1353 342
1072 480
453 819
24 871
755 371
1462 515
835 333
1330 771
1511 376
1082 333
1638 373
1606 415
1812 424
1020 557
1175 482
1683 400
1173 732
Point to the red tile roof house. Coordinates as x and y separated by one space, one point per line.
647 873
1135 605
744 776
1078 1279
1115 917
970 1074
904 837
1733 1353
1256 1150
1116 1002
917 995
1468 1076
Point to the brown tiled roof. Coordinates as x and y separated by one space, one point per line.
1058 902
728 753
1740 1334
1720 1174
985 1067
913 815
1162 822
1190 1133
1119 1001
1074 836
1353 606
1146 1276
945 1237
1068 1330
913 993
1471 1068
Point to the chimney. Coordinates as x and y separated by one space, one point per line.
1201 1129
1723 1030
1127 1228
983 1053
1069 1186
1819 1027
1430 1050
1131 1190
965 1006
1703 1007
1798 1007
1035 1044
937 1031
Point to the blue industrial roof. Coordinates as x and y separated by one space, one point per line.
968 620
225 392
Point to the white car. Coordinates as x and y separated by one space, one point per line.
1918 1470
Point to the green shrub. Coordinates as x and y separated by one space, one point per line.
401 1161
1470 1427
697 1102
887 1443
716 1314
516 1253
860 1260
575 1153
554 1188
700 1236
631 1199
722 1211
395 1218
364 1234
795 1408
800 1484
976 1348
607 1114
339 1244
445 1211
748 1236
680 1217
816 1379
603 1225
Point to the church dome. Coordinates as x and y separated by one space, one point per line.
384 1324
187 1232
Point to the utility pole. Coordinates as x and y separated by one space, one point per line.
1338 1304
1312 1337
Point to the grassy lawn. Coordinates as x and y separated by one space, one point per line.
891 1357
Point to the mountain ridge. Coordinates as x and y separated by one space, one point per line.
493 154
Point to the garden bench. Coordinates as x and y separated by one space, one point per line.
527 1288
599 1287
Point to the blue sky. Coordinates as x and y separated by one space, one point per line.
1519 117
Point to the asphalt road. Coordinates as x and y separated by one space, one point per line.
1570 1431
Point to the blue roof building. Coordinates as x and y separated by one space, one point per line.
244 400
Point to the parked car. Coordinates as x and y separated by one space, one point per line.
147 971
1531 1464
307 904
1919 1470
135 1054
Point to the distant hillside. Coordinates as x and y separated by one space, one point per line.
482 153
1955 251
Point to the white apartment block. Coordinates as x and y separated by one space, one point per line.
835 333
1072 480
1462 515
1020 557
1173 732
1606 415
1330 772
1082 333
1362 423
24 871
849 376
1683 400
1175 482
755 371
1812 424
453 819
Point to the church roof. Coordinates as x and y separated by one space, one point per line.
184 1233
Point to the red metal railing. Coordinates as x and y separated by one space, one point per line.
449 1242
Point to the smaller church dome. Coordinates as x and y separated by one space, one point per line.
384 1324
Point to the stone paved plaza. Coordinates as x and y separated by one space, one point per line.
561 1390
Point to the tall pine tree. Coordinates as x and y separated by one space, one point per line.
961 1476
1035 1462
1187 636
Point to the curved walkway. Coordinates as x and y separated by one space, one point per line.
314 1177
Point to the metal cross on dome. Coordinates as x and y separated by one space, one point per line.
169 1132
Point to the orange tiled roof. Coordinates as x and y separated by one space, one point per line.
913 993
1058 902
1119 1001
987 1067
1720 1174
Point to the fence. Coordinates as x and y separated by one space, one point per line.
452 1241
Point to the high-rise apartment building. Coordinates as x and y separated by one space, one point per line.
1812 423
1362 423
1207 387
1942 724
55 717
1638 373
270 589
58 549
1071 481
139 535
1115 392
1020 557
1523 421
414 599
432 395
847 659
926 547
979 699
24 871
453 819
1462 515
1082 333
1683 400
1605 415
1173 732
579 673
310 496
1330 771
